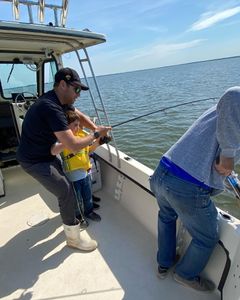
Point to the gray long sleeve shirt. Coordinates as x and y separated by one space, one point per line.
216 131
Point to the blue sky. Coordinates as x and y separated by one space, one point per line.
144 34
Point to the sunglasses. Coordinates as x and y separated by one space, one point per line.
77 89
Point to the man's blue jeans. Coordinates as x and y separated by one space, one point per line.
83 189
177 197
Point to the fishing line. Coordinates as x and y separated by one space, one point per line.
163 109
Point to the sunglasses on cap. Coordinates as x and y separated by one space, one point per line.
77 89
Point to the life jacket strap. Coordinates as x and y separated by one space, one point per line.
68 156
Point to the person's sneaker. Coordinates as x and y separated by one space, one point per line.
94 217
162 272
198 283
96 199
96 206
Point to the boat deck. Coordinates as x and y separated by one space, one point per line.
36 263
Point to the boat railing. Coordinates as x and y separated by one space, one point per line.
41 7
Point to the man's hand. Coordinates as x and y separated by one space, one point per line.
225 165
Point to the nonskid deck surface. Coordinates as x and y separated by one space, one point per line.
36 264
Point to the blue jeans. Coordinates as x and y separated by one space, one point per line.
83 189
192 204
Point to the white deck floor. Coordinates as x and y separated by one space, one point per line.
36 264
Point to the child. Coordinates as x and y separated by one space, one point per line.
77 165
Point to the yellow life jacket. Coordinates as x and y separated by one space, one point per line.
79 160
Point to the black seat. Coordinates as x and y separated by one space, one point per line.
9 135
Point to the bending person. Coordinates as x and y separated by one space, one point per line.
188 174
45 123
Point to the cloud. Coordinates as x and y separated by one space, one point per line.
163 50
151 56
156 51
149 7
209 19
157 29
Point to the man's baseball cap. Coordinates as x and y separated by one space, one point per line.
70 76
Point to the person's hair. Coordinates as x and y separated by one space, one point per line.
71 116
55 85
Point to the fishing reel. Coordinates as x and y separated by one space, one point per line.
104 140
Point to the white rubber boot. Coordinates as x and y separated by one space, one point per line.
76 240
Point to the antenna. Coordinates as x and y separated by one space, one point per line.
15 7
41 5
64 12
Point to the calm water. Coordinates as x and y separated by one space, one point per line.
131 94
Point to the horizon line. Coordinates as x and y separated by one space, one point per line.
180 64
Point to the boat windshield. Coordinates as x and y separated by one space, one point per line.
16 78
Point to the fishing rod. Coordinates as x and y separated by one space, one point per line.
163 109
232 179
